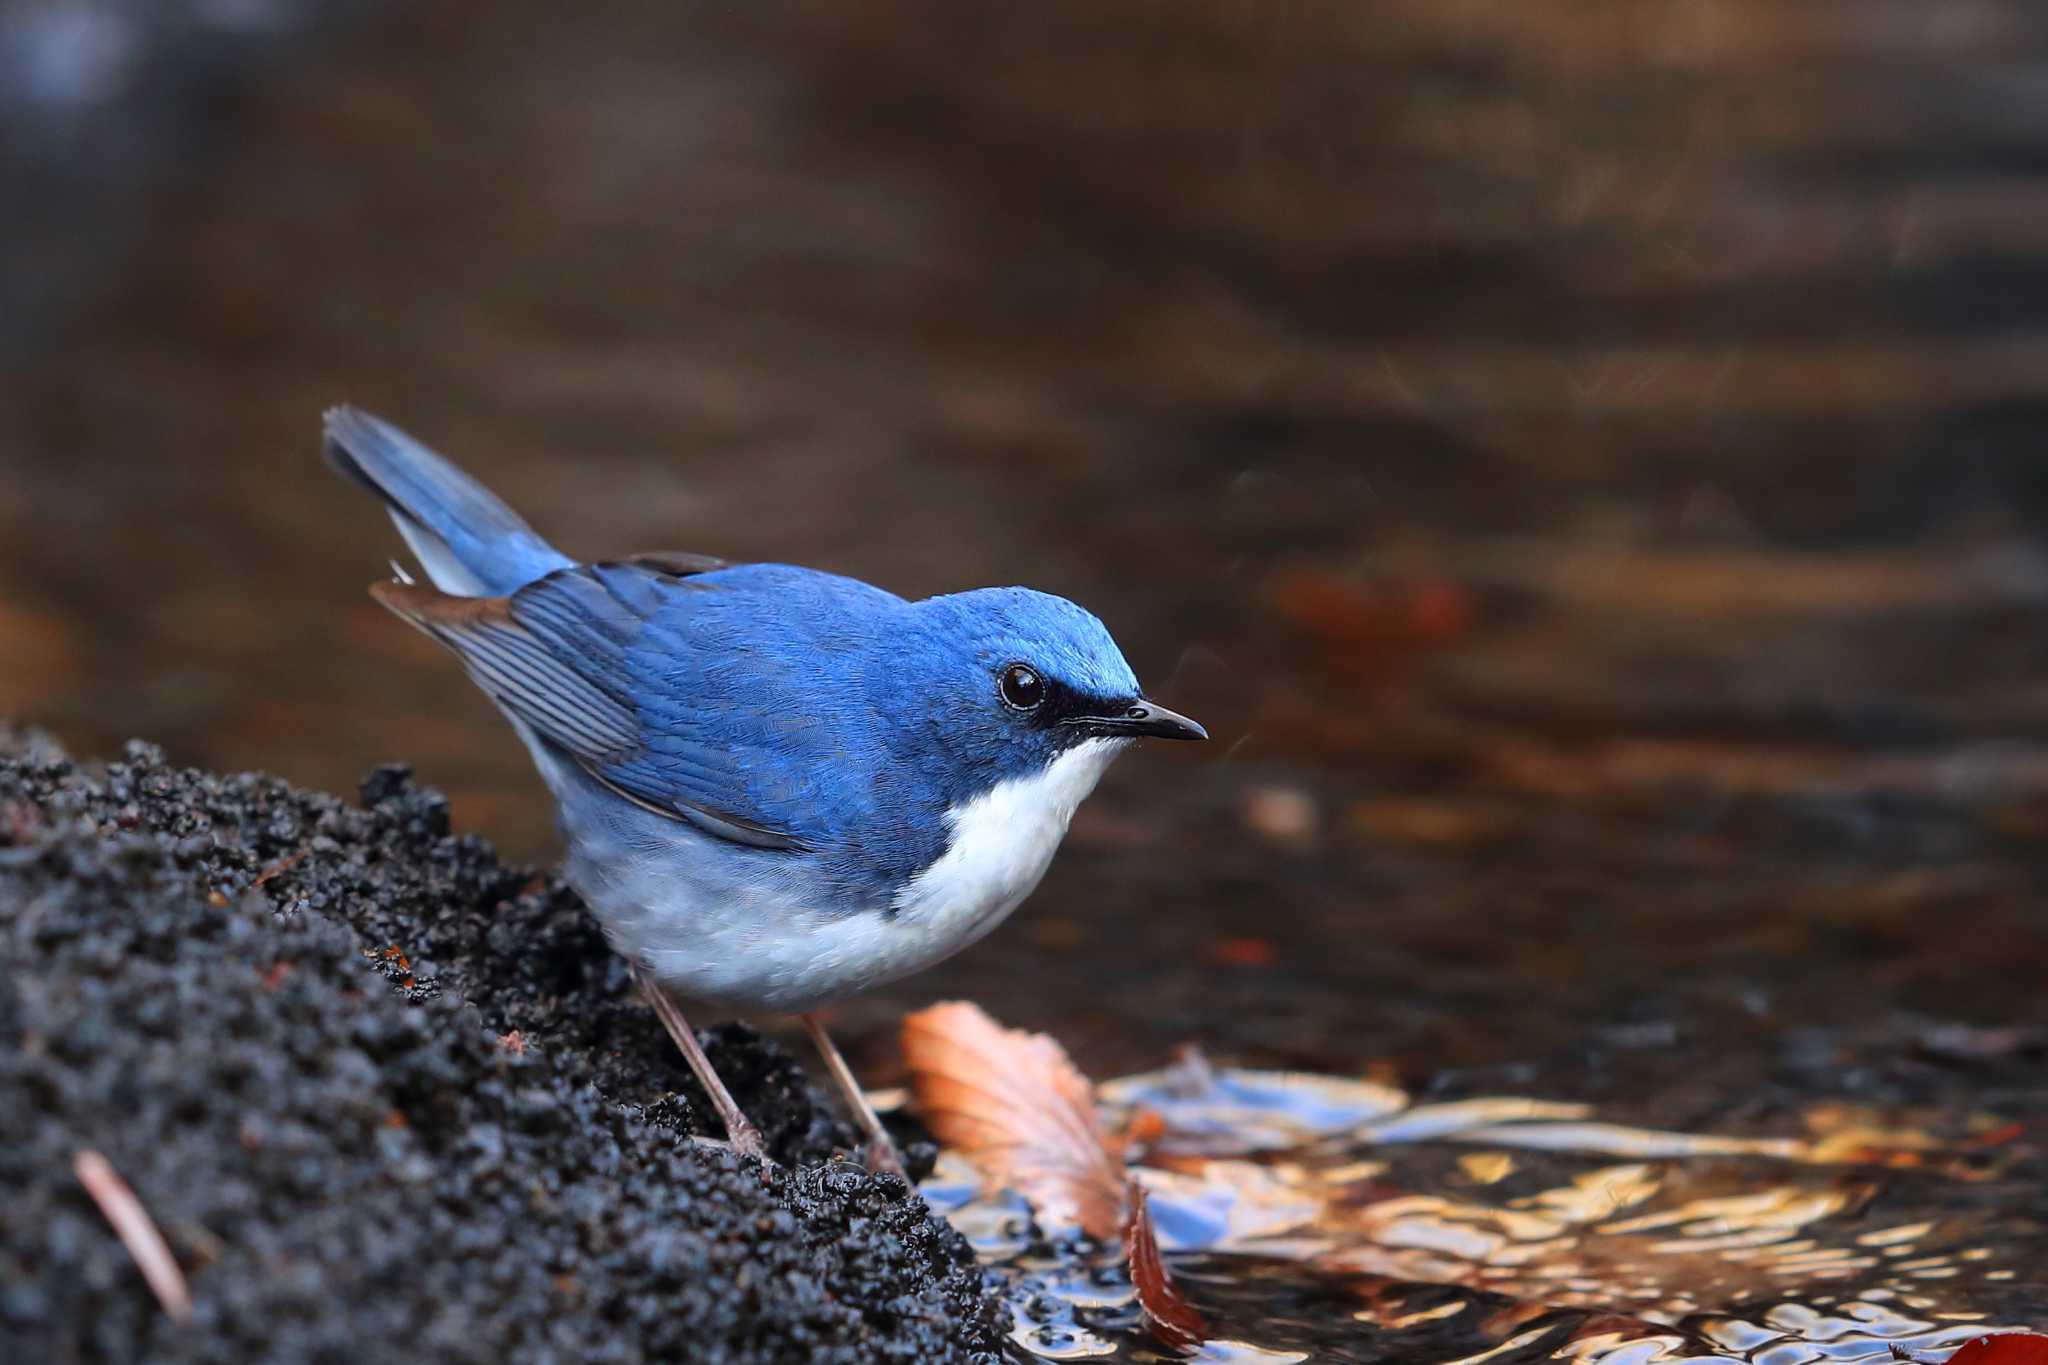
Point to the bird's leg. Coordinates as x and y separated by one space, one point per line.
739 1130
881 1153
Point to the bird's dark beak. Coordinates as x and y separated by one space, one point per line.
1144 719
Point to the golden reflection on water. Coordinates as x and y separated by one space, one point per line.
1700 1246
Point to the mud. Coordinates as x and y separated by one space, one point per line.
389 1098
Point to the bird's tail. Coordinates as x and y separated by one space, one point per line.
469 542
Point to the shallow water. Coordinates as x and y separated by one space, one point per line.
1357 1225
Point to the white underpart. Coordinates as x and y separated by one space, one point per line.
448 572
702 916
1003 840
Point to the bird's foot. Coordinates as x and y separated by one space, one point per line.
880 1156
880 1153
740 1133
746 1140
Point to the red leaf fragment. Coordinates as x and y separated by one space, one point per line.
1998 1348
1014 1105
1173 1321
1372 622
18 819
280 867
2003 1348
1238 952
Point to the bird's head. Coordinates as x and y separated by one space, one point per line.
1019 678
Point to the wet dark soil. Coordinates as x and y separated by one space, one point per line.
389 1098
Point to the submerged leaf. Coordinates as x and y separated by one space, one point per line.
1013 1104
1173 1321
1216 1111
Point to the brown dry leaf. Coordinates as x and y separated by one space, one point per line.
1014 1105
1172 1320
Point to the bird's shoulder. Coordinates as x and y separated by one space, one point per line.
761 604
758 694
758 702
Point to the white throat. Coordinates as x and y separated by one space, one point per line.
1003 840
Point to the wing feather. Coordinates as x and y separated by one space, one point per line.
519 671
560 655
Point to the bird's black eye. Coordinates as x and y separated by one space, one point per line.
1022 687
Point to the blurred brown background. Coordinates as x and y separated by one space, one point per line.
1582 458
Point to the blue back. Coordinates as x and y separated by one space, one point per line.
786 712
830 716
763 693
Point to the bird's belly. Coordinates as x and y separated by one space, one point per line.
772 938
759 929
739 927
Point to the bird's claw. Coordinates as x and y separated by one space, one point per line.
881 1158
746 1140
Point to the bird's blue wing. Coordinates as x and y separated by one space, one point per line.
727 698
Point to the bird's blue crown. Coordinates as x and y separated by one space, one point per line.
1001 680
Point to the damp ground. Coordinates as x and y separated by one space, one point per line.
371 1128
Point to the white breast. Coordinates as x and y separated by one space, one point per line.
1003 840
711 925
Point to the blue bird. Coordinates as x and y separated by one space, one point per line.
777 787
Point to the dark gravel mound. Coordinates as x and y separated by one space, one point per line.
352 1172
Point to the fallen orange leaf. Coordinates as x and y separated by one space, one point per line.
1174 1322
1014 1105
